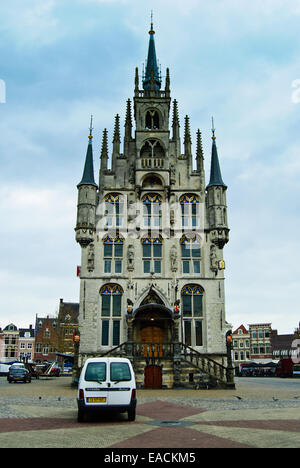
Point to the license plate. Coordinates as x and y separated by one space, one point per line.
96 400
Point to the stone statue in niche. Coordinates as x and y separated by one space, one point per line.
213 259
130 257
91 258
173 258
132 173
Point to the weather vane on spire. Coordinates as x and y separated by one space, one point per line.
91 128
213 129
151 29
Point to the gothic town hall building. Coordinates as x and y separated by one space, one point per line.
152 235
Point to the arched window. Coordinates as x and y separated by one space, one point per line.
114 210
191 254
152 181
111 311
152 212
113 254
152 149
152 120
190 211
152 254
192 313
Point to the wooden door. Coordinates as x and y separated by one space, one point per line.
153 377
152 335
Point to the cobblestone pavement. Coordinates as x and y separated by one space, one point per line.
259 413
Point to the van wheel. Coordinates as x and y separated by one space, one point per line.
131 414
80 416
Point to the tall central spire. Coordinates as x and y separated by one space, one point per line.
152 75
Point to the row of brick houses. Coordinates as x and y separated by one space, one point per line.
50 336
261 344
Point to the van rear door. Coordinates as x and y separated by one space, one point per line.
95 384
121 378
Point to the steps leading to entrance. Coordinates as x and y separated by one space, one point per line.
196 370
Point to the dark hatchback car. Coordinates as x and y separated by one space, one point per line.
18 375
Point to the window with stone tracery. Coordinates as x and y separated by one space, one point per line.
111 311
152 149
192 313
191 254
113 254
152 254
114 210
152 211
190 211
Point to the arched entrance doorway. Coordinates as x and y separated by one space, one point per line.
153 323
153 337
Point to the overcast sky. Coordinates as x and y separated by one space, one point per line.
63 60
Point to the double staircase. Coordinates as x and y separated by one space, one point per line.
182 366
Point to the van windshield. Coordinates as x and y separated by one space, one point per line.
119 371
95 372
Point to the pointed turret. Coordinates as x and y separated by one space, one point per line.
199 153
104 152
188 144
217 205
175 123
117 138
87 194
215 171
152 75
167 87
187 137
128 122
88 172
116 142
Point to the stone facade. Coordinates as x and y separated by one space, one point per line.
152 236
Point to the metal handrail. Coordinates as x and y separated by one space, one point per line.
148 349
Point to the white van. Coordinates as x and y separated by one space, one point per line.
106 384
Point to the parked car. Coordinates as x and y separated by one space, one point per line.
107 384
18 374
56 370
